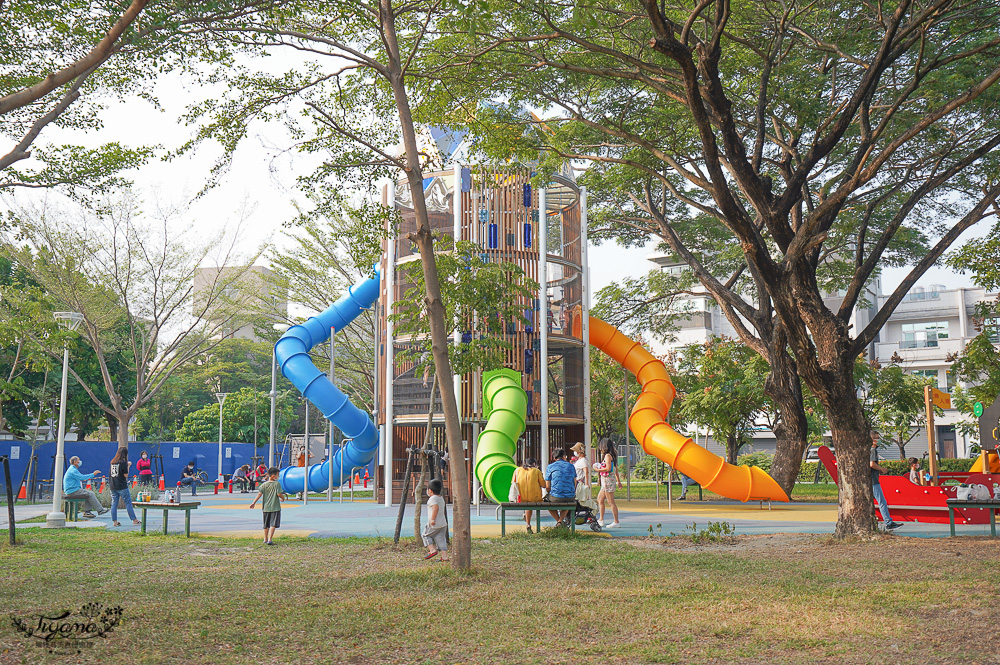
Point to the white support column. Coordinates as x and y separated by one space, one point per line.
456 334
543 324
585 275
963 317
390 283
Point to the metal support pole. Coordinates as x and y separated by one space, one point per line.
387 440
628 446
585 327
57 518
543 324
222 400
10 500
305 460
274 403
329 457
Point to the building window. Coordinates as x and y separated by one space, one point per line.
923 335
931 374
952 380
991 328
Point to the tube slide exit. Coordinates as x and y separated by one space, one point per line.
505 405
292 355
648 423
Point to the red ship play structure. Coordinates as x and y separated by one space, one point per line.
926 503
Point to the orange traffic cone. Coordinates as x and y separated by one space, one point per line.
23 494
88 485
101 491
357 479
135 480
162 484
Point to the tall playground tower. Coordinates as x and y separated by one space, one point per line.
510 219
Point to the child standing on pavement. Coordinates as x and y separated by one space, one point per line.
435 533
270 490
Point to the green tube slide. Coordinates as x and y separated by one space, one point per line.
505 406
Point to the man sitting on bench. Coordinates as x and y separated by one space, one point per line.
73 488
188 477
560 481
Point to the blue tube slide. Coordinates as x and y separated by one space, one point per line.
292 354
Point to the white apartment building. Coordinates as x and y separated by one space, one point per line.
930 324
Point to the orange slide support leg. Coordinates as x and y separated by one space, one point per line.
648 423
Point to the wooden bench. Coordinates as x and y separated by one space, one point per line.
991 504
187 507
71 508
538 506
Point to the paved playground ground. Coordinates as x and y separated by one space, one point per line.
229 515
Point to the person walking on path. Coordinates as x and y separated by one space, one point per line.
435 534
144 467
608 470
73 482
529 486
877 470
119 486
560 480
270 491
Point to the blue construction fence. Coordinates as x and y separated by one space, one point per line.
175 456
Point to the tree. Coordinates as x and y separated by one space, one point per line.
356 88
27 392
34 95
244 418
810 134
320 255
134 284
492 294
228 367
977 366
721 387
893 400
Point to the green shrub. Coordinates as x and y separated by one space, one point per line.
759 460
645 469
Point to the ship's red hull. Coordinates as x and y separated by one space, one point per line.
917 503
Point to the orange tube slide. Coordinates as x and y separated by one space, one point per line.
648 423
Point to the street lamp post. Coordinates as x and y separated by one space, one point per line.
280 327
222 399
57 518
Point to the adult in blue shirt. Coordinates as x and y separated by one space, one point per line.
560 481
73 488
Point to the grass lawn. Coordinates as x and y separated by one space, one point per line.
541 599
805 492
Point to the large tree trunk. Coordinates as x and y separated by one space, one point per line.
121 434
733 445
792 430
113 428
461 555
852 438
822 346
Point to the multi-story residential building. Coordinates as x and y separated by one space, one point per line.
929 325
